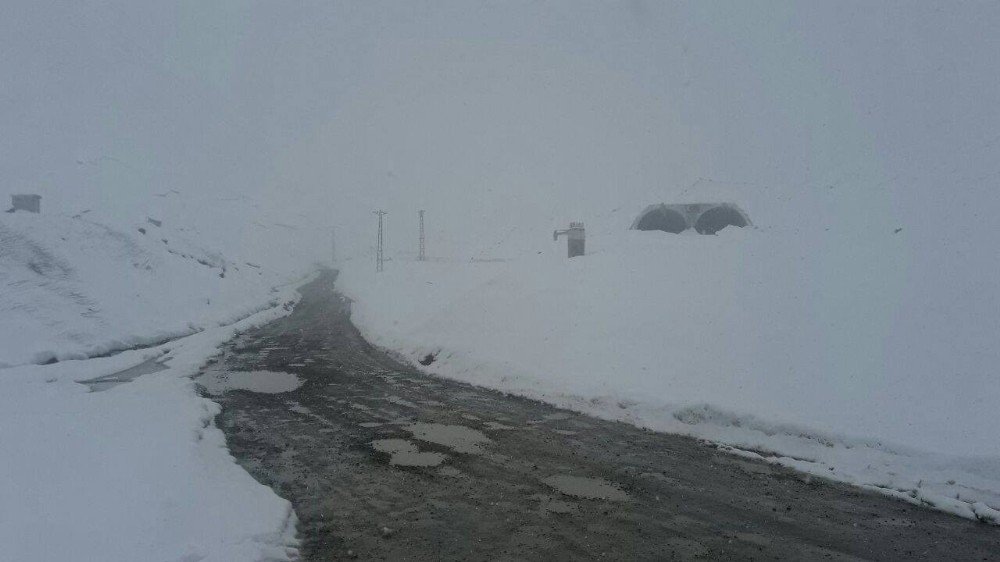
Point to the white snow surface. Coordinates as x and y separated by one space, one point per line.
834 352
138 471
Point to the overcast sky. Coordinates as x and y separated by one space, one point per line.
493 114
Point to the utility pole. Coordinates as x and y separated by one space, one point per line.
423 246
379 248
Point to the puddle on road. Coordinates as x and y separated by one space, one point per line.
459 438
497 426
107 382
268 382
548 504
564 432
401 402
405 453
557 506
587 488
299 408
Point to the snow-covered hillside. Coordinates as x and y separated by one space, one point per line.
833 352
75 288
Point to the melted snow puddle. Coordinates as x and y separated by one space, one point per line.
549 504
107 382
587 488
401 402
405 453
268 382
458 438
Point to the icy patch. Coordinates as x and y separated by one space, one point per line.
268 382
459 438
405 453
587 488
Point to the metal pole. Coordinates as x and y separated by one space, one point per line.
380 242
423 255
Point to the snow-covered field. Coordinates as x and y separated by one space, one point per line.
838 353
137 471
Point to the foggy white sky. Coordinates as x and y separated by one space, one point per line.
501 115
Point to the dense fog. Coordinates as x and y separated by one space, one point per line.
516 116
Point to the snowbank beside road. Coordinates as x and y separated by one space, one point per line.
137 471
827 358
74 288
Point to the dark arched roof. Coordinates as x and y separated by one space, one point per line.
717 218
663 219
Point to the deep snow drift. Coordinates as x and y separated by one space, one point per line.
827 351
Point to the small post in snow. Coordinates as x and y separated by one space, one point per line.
576 237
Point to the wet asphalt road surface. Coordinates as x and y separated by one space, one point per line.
384 463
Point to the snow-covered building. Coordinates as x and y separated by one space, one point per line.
705 218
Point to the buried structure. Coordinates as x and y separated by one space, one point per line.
704 218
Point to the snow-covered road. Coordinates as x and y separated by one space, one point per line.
384 463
